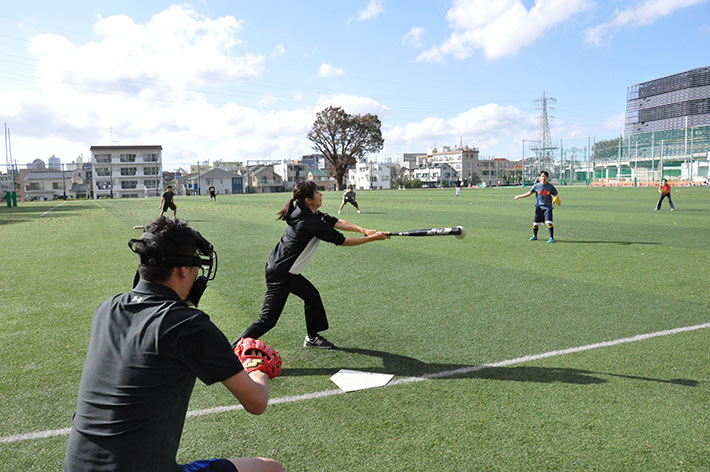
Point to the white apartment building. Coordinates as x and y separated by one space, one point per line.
291 173
127 171
491 170
369 176
435 175
463 160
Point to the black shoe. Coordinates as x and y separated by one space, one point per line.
319 341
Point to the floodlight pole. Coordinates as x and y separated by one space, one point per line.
64 186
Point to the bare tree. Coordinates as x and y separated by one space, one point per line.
343 138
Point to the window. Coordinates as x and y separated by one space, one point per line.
150 171
35 186
103 158
129 184
103 172
150 183
150 157
55 185
129 195
127 157
128 170
103 185
262 180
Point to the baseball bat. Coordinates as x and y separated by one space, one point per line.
458 231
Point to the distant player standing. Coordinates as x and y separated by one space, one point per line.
213 194
544 193
166 201
349 197
458 186
665 190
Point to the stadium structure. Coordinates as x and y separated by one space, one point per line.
666 134
667 129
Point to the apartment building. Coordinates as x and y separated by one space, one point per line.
463 160
292 173
435 175
369 176
127 171
491 171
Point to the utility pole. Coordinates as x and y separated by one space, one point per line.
64 186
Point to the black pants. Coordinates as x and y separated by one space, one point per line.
665 195
278 288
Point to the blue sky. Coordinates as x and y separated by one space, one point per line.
238 80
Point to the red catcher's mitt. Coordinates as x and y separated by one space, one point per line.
254 354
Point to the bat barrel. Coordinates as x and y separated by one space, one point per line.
450 231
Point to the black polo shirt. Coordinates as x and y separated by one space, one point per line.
146 349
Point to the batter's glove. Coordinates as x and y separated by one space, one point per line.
254 354
556 200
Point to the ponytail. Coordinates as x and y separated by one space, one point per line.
302 190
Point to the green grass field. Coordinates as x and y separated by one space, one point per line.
408 307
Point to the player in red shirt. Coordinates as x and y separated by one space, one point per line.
665 190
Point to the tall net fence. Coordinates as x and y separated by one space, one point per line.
681 156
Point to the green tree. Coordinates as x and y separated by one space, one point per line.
396 178
343 138
606 149
415 183
475 179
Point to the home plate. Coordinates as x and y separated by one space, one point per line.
350 380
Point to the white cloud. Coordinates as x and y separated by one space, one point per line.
327 70
643 13
175 49
500 28
355 105
487 126
267 99
279 50
413 37
373 9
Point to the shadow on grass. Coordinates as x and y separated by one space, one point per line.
621 243
409 367
29 213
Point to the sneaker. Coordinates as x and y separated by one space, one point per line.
551 240
338 211
319 341
358 211
672 209
656 209
534 238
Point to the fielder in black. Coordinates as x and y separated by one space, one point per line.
306 228
146 349
166 201
213 194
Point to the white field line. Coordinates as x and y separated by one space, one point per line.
63 202
405 380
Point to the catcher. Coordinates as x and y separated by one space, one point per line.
147 347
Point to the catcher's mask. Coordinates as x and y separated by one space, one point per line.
205 258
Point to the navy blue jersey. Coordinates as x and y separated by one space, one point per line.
543 194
